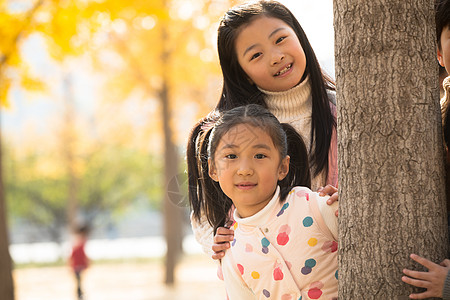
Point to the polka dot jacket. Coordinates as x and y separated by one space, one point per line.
284 252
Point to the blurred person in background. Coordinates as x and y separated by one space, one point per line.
78 258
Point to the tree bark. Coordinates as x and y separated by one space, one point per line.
6 280
391 179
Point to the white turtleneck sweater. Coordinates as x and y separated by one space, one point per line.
293 106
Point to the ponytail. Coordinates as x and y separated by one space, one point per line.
193 170
205 195
299 174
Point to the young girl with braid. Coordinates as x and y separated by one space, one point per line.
285 235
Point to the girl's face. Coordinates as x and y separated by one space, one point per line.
248 166
270 53
444 52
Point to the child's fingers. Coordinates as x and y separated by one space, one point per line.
223 236
223 239
219 250
414 282
423 261
446 263
417 274
423 295
218 255
224 231
333 198
327 190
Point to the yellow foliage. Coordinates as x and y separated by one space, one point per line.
31 83
4 88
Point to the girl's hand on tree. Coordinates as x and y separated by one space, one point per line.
222 241
433 280
332 191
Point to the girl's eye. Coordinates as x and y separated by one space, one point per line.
279 40
231 156
260 156
256 55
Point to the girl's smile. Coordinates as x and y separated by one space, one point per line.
285 70
270 53
245 186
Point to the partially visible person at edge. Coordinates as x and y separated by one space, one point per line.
267 59
436 280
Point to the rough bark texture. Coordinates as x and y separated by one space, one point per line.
391 179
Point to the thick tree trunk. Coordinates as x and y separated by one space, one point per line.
6 280
391 180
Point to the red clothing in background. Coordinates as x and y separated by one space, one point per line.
78 260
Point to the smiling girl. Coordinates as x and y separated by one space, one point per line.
285 235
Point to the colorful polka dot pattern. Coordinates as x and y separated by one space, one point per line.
285 206
315 290
309 264
312 242
240 268
265 245
278 274
307 222
284 235
330 246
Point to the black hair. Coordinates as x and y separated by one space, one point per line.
238 90
442 17
83 229
205 194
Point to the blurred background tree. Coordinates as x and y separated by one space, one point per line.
157 56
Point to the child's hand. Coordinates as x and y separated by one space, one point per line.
433 280
222 241
332 192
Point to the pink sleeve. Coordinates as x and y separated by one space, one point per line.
332 177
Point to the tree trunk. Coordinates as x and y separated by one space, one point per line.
172 213
391 179
6 280
69 144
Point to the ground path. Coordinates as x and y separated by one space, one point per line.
132 280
